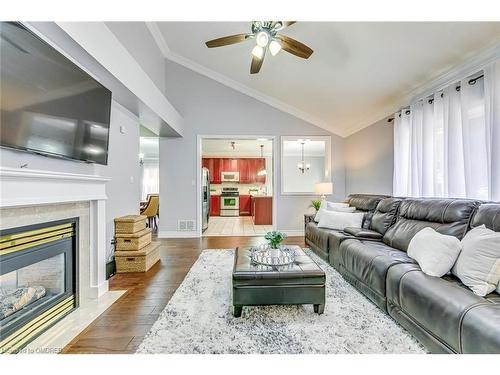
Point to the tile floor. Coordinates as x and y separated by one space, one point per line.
235 226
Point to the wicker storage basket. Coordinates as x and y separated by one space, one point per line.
133 241
130 223
137 261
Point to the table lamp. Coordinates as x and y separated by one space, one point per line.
323 189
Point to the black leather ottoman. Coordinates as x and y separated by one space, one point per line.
300 283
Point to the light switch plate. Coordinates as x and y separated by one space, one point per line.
123 129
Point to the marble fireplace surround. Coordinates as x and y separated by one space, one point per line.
34 196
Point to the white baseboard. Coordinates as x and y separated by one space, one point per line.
299 232
177 234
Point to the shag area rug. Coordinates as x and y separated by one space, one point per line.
198 319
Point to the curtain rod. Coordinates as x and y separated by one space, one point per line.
471 81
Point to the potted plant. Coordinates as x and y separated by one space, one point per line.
316 203
275 238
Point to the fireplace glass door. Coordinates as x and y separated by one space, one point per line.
38 276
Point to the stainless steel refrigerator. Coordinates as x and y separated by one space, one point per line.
205 198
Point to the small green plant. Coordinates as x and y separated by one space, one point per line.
275 238
316 203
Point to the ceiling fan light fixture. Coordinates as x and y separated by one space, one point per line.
258 52
262 38
274 47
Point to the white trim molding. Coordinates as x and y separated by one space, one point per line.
178 234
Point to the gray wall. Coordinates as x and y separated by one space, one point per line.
123 190
210 108
369 159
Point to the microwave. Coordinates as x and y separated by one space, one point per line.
230 177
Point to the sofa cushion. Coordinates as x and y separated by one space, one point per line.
363 233
369 261
446 216
480 331
318 236
487 214
385 214
365 203
436 304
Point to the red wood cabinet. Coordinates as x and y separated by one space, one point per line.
247 167
214 167
229 165
245 205
214 205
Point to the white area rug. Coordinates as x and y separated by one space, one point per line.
198 319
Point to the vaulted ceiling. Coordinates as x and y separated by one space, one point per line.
359 72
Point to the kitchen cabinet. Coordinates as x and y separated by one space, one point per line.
245 205
229 165
215 205
214 167
262 210
247 168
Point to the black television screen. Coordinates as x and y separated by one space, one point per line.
48 104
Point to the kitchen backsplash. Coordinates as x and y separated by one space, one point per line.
244 189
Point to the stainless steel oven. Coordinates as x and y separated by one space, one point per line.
229 202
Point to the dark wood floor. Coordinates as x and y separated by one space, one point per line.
121 328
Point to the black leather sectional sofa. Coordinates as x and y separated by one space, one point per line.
443 314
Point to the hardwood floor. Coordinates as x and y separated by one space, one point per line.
121 328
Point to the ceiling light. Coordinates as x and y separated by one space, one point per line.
274 47
258 52
262 39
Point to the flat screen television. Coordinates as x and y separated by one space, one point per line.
48 104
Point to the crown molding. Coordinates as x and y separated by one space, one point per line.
255 94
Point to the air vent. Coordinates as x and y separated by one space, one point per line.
186 225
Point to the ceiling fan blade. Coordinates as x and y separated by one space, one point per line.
280 25
227 40
256 63
294 47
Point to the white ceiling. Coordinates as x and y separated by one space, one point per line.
359 71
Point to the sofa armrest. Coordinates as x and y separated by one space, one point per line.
363 233
308 218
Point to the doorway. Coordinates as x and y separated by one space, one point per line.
237 186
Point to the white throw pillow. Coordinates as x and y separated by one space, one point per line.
478 266
332 206
340 220
434 252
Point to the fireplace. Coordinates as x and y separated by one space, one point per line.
38 280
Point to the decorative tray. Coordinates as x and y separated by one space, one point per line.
265 255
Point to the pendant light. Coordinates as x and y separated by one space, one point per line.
302 165
263 171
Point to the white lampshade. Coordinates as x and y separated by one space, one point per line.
324 188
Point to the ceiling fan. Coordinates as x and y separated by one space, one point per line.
266 35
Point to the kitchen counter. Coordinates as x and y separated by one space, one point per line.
262 209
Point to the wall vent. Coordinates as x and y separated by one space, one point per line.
186 225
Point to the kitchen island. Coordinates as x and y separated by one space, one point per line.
262 209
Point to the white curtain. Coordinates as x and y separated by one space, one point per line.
448 145
150 178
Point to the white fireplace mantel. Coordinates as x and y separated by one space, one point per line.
21 187
26 187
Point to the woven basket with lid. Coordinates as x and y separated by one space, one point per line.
133 241
137 261
130 224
